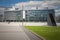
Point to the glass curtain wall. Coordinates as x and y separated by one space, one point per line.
37 15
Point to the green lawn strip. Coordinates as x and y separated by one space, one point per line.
49 33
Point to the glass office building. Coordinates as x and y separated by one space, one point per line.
13 15
19 15
38 15
26 15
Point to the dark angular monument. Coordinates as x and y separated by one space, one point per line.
51 18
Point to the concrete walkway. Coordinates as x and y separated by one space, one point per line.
12 31
15 31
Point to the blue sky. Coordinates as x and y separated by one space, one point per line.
12 2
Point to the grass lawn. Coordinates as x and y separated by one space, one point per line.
49 33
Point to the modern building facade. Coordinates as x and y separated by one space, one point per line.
38 15
13 15
2 13
26 15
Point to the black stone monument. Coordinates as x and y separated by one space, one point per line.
51 18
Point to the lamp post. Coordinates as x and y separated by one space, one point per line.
23 15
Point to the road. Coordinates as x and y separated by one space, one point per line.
15 31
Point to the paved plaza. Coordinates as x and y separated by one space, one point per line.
15 31
12 31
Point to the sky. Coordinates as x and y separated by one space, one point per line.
12 2
18 3
31 4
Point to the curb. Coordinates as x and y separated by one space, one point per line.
36 35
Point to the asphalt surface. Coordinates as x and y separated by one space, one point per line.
15 31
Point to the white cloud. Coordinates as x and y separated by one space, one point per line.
39 4
13 8
53 4
30 5
52 0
